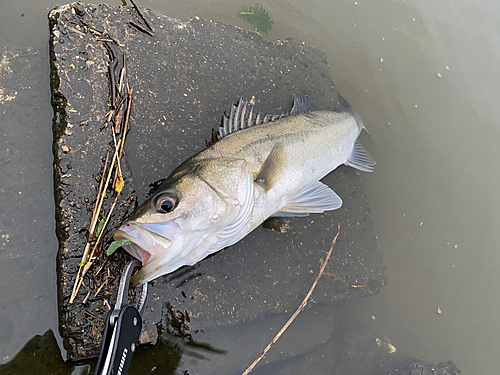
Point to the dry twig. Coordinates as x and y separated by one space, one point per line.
90 262
68 81
122 111
140 28
142 16
297 312
101 267
102 286
86 298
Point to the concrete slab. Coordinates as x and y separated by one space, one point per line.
184 78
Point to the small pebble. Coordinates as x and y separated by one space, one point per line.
381 60
439 75
65 149
447 67
439 310
456 246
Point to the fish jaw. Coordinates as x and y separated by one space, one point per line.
162 248
184 251
149 240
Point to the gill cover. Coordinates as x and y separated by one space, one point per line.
201 208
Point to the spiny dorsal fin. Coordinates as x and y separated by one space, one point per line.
243 115
215 138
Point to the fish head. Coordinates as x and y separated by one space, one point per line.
201 208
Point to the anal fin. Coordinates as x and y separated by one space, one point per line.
314 197
360 159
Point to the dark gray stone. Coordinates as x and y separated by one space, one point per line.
183 79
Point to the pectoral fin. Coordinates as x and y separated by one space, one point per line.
314 197
360 159
273 167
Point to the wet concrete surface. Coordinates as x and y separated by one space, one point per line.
183 79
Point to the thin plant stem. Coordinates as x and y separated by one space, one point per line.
297 312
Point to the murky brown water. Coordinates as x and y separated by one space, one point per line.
424 77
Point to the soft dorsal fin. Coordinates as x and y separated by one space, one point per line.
302 103
243 115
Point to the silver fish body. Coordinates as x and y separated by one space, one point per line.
262 166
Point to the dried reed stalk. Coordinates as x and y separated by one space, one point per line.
297 312
88 259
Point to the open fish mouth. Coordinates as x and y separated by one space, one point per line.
149 240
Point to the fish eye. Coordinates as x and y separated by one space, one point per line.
166 203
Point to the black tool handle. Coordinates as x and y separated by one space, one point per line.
119 342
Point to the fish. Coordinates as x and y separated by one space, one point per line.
258 166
